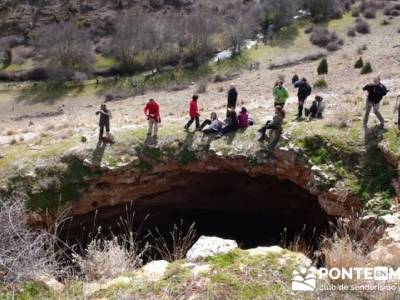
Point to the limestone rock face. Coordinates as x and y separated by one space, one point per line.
387 249
210 246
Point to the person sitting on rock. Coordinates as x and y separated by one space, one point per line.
152 112
316 110
231 123
193 113
104 122
214 125
275 126
244 119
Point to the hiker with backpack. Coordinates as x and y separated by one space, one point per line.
193 113
214 124
304 90
280 94
104 122
232 96
376 91
152 112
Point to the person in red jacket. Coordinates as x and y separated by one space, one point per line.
193 113
152 112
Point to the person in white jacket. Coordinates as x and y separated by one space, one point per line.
214 124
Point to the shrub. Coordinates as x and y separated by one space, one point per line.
320 84
395 13
104 259
7 57
308 30
323 67
333 46
24 253
320 37
385 22
362 27
355 12
351 32
202 87
361 49
359 63
370 13
367 68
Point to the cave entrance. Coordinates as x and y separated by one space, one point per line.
254 211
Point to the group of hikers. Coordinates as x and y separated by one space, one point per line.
234 121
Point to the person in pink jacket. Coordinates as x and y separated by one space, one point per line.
193 113
243 118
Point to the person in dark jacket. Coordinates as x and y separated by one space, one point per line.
232 96
376 91
193 113
304 90
104 121
317 108
231 123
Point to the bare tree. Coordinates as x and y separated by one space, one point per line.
278 13
158 37
128 41
24 252
195 37
66 47
236 35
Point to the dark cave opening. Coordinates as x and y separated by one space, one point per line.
254 211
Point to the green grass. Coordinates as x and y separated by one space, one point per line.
103 62
14 68
367 175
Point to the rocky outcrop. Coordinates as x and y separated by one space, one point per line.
387 248
128 184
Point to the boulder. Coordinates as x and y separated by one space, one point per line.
154 271
210 246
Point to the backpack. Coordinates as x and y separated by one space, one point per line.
308 90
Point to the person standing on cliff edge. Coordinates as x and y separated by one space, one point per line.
104 122
376 91
152 112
